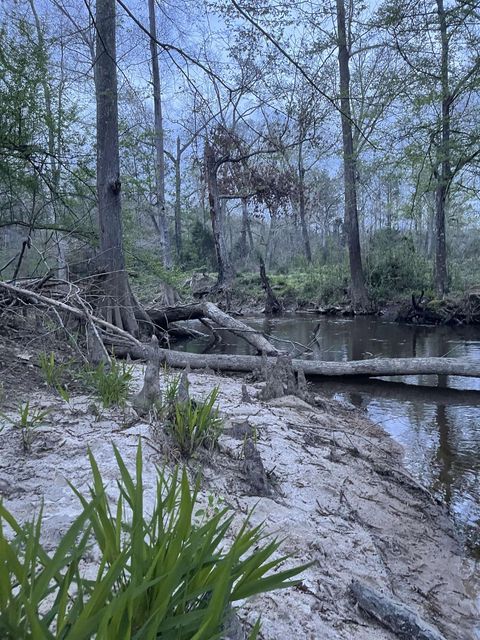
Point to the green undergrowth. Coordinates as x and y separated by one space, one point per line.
110 382
191 424
171 574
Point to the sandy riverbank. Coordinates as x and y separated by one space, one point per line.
339 496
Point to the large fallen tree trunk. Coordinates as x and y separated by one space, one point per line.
201 310
375 367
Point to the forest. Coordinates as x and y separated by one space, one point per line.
338 142
239 309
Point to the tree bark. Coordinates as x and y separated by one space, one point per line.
301 205
178 199
162 224
443 171
360 299
117 305
316 368
272 305
243 246
224 267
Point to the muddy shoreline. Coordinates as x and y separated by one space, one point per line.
339 496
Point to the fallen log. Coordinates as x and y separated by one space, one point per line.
163 317
124 343
404 622
374 367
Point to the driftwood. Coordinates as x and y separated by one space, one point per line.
404 622
37 298
163 317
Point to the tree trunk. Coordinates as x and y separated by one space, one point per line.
54 139
301 205
117 305
162 224
223 265
443 171
360 300
270 241
178 200
272 305
243 247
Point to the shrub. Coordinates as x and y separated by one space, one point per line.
169 575
110 382
199 248
393 265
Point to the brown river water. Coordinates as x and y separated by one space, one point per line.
435 418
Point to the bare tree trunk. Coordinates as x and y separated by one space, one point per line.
162 225
224 268
272 305
443 172
178 199
301 205
245 243
360 300
117 306
54 144
270 241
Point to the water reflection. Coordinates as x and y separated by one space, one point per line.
438 423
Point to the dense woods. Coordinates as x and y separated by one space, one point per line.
198 187
338 142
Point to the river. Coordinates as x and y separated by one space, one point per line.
435 418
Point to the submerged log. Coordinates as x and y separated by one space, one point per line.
404 622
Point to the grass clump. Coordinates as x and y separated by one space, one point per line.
192 424
196 424
53 373
26 422
167 575
111 382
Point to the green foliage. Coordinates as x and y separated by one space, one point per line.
51 369
196 424
190 423
393 265
111 382
168 574
26 421
199 248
